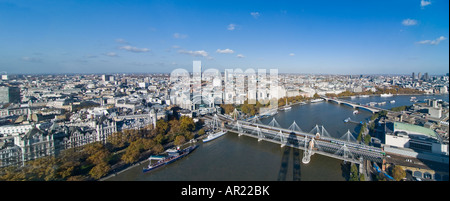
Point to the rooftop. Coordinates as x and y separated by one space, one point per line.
415 129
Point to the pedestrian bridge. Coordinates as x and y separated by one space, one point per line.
318 140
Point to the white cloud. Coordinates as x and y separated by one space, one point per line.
179 36
240 56
424 3
32 59
432 42
120 40
111 54
231 27
409 22
225 51
194 53
134 49
291 54
255 14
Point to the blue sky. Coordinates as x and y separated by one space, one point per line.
320 37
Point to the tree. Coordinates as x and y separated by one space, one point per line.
179 140
398 173
100 170
227 108
162 127
158 148
117 140
132 154
316 95
367 139
186 124
201 132
361 131
96 152
354 173
159 138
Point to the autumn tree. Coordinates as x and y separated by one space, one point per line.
117 140
131 155
227 108
100 170
186 124
162 127
201 132
179 140
398 173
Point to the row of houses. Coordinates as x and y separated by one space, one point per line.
21 143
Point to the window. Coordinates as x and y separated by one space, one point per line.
414 145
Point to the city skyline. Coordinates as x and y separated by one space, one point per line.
320 37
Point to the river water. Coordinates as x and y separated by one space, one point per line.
234 158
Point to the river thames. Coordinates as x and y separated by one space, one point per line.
234 158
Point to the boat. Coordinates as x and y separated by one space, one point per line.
287 107
347 120
364 96
382 103
392 101
213 136
386 95
164 160
413 99
316 100
355 111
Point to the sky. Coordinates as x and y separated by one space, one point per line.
312 37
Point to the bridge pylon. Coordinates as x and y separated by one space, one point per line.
345 152
259 133
308 150
238 127
282 139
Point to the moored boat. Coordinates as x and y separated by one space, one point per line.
213 136
172 156
316 100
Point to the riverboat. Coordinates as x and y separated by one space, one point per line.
172 156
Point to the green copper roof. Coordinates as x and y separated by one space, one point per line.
415 129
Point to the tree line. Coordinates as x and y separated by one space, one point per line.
96 160
253 109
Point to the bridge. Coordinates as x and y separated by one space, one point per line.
353 105
318 140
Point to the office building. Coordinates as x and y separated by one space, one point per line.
9 94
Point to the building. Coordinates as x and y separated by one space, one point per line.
35 144
416 139
107 78
9 94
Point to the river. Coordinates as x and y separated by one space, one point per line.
241 158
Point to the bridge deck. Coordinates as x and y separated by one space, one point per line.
330 147
298 146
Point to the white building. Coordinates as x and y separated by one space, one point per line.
415 138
